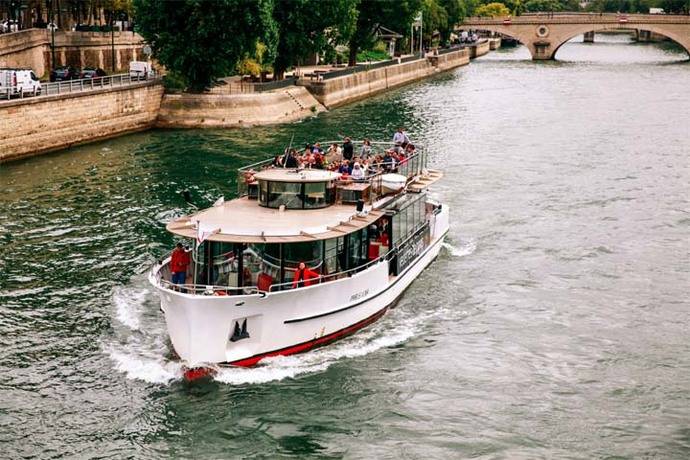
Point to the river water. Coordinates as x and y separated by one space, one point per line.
554 324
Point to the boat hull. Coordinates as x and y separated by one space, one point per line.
287 322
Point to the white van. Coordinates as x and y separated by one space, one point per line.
15 82
140 69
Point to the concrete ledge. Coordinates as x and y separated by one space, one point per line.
236 110
480 48
342 90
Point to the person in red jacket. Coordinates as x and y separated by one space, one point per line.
179 261
303 276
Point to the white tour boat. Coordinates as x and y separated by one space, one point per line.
363 245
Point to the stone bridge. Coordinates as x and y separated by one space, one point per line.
544 33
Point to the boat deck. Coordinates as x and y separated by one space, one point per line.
243 220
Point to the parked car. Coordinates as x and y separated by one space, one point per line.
64 73
93 73
15 82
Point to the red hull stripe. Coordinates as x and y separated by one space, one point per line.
305 346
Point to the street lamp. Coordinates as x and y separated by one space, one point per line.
52 27
112 39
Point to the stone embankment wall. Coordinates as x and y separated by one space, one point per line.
37 125
236 110
32 48
341 90
480 48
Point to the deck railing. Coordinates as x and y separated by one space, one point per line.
410 167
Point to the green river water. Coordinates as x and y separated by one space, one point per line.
554 324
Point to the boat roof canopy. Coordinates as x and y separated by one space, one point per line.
242 221
295 176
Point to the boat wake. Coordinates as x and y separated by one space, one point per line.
465 249
140 350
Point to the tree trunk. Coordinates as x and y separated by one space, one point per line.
352 61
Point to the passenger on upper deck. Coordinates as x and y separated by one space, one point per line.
366 150
291 159
348 149
304 276
400 137
357 171
334 153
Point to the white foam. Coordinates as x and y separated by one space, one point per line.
140 350
129 303
465 249
283 367
152 370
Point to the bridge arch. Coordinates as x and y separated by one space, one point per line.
566 37
544 35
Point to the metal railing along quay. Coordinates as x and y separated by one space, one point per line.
77 86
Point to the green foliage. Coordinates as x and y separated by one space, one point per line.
204 39
456 10
394 15
533 6
494 9
310 26
174 82
372 55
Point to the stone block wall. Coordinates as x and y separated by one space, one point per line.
36 125
31 48
342 90
237 110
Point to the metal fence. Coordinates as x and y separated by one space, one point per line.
365 67
76 86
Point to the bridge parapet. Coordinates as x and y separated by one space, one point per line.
544 33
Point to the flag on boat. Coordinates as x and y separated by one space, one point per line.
204 231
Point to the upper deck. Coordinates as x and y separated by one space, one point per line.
289 205
243 221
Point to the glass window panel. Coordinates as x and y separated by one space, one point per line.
307 252
315 195
403 224
285 193
263 193
355 249
396 228
331 256
410 219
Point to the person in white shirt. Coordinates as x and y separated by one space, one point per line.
357 172
400 137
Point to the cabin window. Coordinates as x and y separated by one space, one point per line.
253 264
296 195
403 224
315 195
225 263
263 192
411 218
355 249
333 255
396 228
285 193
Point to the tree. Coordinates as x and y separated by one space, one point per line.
492 10
395 15
456 10
310 26
434 18
202 40
533 6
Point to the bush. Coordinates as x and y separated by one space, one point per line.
174 82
